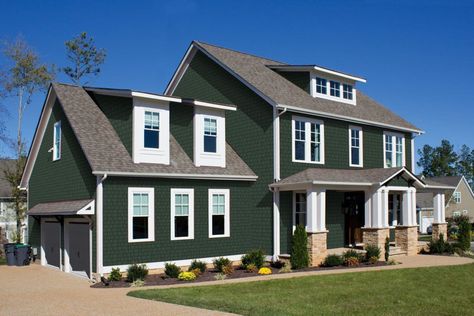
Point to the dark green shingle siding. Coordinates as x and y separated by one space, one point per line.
299 78
286 221
181 121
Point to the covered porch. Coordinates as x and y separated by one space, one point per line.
343 208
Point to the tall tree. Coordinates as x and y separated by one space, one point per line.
23 77
438 161
465 164
85 57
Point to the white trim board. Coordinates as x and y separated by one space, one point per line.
178 175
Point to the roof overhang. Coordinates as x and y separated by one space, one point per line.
319 69
177 175
63 208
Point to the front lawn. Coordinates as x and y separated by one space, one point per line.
423 291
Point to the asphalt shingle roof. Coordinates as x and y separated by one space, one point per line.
106 153
58 208
256 71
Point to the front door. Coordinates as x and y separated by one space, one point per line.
353 208
79 248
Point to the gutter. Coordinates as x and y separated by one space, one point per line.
177 176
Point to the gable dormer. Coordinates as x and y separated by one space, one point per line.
321 82
209 137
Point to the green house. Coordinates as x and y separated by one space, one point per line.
234 154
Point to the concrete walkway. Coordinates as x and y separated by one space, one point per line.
36 290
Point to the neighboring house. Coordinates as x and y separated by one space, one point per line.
458 201
237 151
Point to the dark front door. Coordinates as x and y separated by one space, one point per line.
353 208
79 248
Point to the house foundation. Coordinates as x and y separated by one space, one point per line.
317 247
406 237
438 229
376 236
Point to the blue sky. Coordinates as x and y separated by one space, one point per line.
417 56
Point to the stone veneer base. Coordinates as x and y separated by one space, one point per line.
440 228
317 247
406 237
376 236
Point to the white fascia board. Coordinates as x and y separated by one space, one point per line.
154 97
214 106
89 209
421 184
329 183
182 67
178 176
346 118
320 69
467 184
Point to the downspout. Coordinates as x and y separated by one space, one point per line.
99 224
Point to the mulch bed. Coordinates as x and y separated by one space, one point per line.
162 279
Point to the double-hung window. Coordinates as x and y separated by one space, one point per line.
394 152
299 209
152 130
210 135
321 85
57 141
219 217
355 147
457 197
182 214
308 140
141 213
335 88
347 91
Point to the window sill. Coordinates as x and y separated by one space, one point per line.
182 238
356 166
140 240
219 236
310 162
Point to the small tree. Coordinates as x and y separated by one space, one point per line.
464 235
299 248
85 57
387 248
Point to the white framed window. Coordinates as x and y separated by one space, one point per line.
219 213
151 136
182 214
299 209
355 146
457 197
321 85
347 91
141 214
210 135
456 213
308 140
394 150
57 141
335 88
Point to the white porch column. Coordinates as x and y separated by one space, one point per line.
380 208
368 209
276 223
409 207
439 208
315 210
413 207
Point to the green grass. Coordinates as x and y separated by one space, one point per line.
3 261
424 238
423 291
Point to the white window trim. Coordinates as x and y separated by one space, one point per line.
361 146
394 149
190 193
328 95
151 213
294 209
226 193
307 142
202 158
57 150
457 193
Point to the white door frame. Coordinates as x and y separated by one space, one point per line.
44 262
67 262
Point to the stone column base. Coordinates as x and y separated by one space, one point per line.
406 237
376 236
440 228
317 247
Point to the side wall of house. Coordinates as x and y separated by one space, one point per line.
467 202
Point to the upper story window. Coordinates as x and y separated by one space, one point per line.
152 130
151 136
210 135
182 214
457 197
394 150
308 140
57 141
219 206
355 147
141 214
347 91
321 85
335 88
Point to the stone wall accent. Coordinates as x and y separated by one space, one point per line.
440 228
376 236
406 237
317 247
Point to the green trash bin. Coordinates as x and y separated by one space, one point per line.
22 254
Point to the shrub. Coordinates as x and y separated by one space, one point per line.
374 260
299 248
387 248
115 275
220 263
138 283
196 264
265 271
277 264
351 253
251 268
333 261
440 246
186 276
220 276
464 235
172 270
285 269
372 251
228 269
136 272
255 257
352 261
196 271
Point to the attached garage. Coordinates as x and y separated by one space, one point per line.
66 235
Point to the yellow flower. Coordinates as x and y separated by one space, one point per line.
187 276
265 271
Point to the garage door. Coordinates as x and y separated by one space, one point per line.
51 238
78 251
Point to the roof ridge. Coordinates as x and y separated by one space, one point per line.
199 43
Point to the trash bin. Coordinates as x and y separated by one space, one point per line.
10 253
22 254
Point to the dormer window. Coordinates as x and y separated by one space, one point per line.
347 91
152 130
210 135
321 85
335 89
